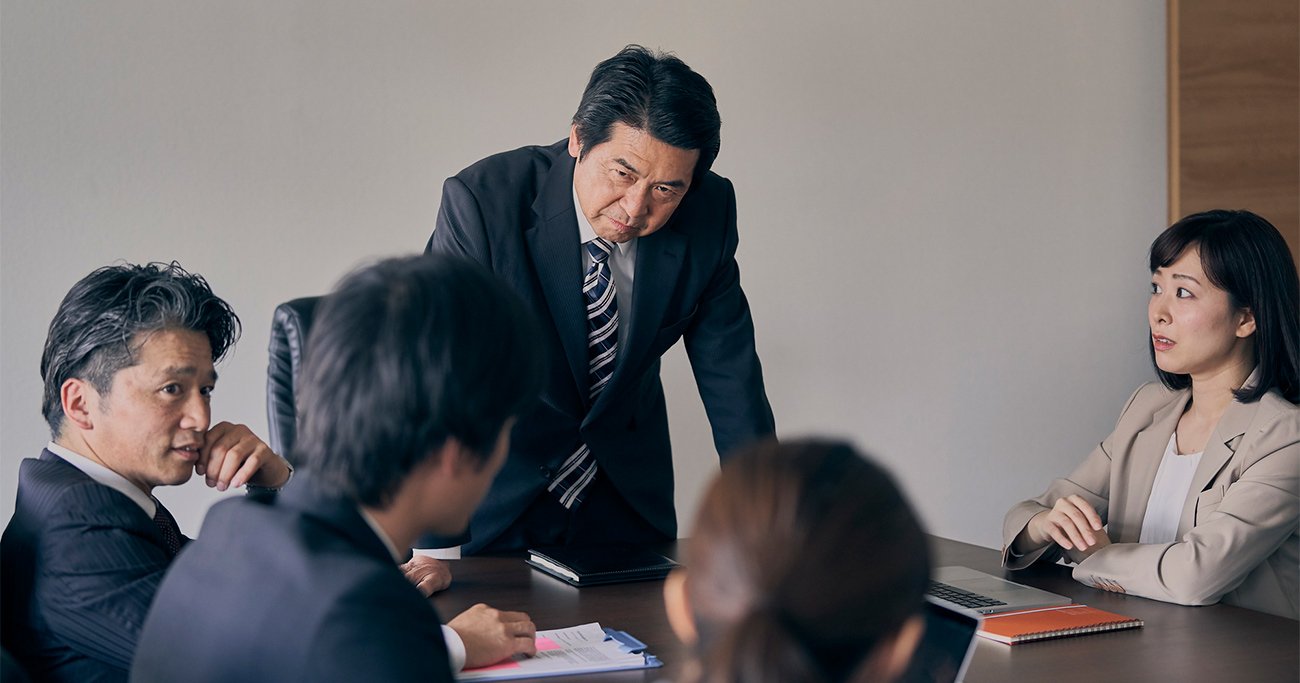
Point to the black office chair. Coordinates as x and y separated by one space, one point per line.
289 326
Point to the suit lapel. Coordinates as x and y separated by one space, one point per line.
1148 450
1218 451
658 262
553 247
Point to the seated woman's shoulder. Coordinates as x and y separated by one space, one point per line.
1276 410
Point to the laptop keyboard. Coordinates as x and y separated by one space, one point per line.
961 597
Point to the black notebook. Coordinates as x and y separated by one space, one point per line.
597 564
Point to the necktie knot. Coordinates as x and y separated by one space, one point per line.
599 249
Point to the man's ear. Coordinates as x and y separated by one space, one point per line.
1246 326
455 460
79 400
678 606
450 459
575 145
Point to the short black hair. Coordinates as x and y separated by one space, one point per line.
403 355
102 321
652 92
1245 256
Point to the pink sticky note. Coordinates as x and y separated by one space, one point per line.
543 643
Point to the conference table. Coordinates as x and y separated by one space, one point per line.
1213 643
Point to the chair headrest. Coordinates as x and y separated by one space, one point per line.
289 327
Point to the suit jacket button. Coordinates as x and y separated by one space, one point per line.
545 472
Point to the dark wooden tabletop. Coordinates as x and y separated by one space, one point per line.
1216 643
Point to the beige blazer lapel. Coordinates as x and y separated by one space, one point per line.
1218 451
1143 463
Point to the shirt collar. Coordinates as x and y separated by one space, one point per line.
379 531
105 476
586 233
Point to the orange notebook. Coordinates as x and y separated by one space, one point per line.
1052 622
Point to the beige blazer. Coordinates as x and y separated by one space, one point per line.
1238 538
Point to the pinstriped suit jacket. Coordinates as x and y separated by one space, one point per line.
79 566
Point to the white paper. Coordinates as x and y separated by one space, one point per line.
576 649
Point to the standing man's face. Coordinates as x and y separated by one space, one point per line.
629 185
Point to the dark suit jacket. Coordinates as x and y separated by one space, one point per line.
295 589
81 563
513 212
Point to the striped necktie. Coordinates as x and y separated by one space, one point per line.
578 471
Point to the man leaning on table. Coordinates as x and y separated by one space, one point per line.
408 395
623 241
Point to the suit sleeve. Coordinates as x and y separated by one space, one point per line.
1090 481
720 345
459 230
1256 514
101 576
358 641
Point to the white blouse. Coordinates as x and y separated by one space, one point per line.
1168 493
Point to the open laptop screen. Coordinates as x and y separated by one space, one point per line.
946 647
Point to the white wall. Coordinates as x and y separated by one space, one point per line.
944 206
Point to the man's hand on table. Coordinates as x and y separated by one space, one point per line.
428 574
491 635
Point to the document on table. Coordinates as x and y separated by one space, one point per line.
580 649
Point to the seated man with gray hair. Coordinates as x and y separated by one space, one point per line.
129 373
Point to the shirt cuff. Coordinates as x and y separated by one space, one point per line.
254 488
455 648
452 553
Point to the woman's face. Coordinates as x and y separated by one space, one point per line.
1195 329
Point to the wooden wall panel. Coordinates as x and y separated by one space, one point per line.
1234 109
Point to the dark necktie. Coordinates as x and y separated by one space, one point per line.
171 533
578 471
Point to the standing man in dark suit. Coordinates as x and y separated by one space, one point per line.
408 393
128 368
623 242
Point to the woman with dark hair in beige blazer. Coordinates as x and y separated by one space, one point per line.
1194 498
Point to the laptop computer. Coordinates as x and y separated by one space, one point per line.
946 647
965 588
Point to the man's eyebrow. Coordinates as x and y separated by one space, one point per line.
670 183
623 162
184 371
